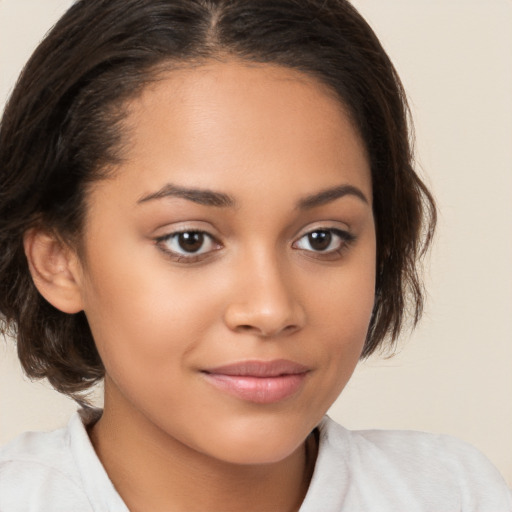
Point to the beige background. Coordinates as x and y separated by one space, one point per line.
454 374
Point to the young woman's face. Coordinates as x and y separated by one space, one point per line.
229 267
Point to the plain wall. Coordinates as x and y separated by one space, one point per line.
454 374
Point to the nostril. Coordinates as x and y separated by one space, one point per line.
264 319
267 332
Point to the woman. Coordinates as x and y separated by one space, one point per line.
212 207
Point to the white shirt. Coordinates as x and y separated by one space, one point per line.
356 471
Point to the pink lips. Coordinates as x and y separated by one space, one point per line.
259 381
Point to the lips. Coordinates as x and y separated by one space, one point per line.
262 382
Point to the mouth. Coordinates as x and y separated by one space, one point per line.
262 382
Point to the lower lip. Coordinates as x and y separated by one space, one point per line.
261 390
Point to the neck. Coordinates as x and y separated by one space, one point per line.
151 470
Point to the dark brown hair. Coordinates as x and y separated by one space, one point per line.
61 130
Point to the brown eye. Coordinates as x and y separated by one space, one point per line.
190 241
320 240
327 241
188 244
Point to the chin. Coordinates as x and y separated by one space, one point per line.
257 454
257 443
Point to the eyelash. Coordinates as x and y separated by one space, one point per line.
182 258
345 240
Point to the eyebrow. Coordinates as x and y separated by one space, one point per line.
221 200
201 196
330 194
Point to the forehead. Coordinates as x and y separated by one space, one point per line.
227 123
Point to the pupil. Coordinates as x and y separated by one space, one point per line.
320 240
191 242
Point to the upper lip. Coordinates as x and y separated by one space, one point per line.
275 368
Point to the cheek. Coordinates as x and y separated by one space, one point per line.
343 302
340 312
144 317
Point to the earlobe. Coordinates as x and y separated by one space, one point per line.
55 270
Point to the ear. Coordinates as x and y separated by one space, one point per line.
55 270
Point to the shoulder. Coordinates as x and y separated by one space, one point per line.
425 452
411 469
37 472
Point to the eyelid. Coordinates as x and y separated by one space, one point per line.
342 233
192 257
181 226
328 225
345 236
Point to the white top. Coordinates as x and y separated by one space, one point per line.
356 471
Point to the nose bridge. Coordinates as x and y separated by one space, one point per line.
265 301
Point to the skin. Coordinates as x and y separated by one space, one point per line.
268 137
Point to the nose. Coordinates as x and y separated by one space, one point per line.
265 302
